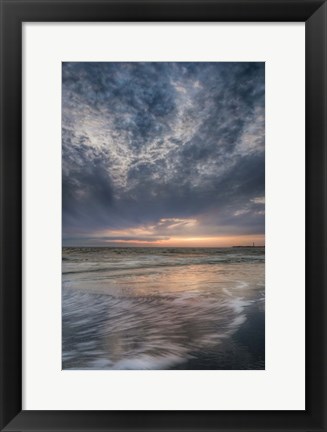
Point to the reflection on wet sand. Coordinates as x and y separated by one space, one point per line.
163 317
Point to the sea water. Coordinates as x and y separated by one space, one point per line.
163 308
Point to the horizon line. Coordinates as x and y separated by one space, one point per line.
164 247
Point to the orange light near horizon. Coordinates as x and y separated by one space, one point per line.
175 232
227 241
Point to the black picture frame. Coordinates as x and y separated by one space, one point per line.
13 14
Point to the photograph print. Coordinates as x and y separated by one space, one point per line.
163 216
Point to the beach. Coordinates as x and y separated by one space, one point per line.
163 308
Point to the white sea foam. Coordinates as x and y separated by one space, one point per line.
149 362
158 319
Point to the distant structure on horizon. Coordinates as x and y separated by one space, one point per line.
248 246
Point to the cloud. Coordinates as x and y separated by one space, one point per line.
149 142
258 200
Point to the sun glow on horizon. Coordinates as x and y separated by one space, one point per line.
223 241
172 232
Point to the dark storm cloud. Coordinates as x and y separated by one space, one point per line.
146 141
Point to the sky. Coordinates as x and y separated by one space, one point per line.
163 154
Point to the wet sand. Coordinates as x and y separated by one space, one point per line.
199 309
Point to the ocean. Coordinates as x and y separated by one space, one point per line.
163 308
